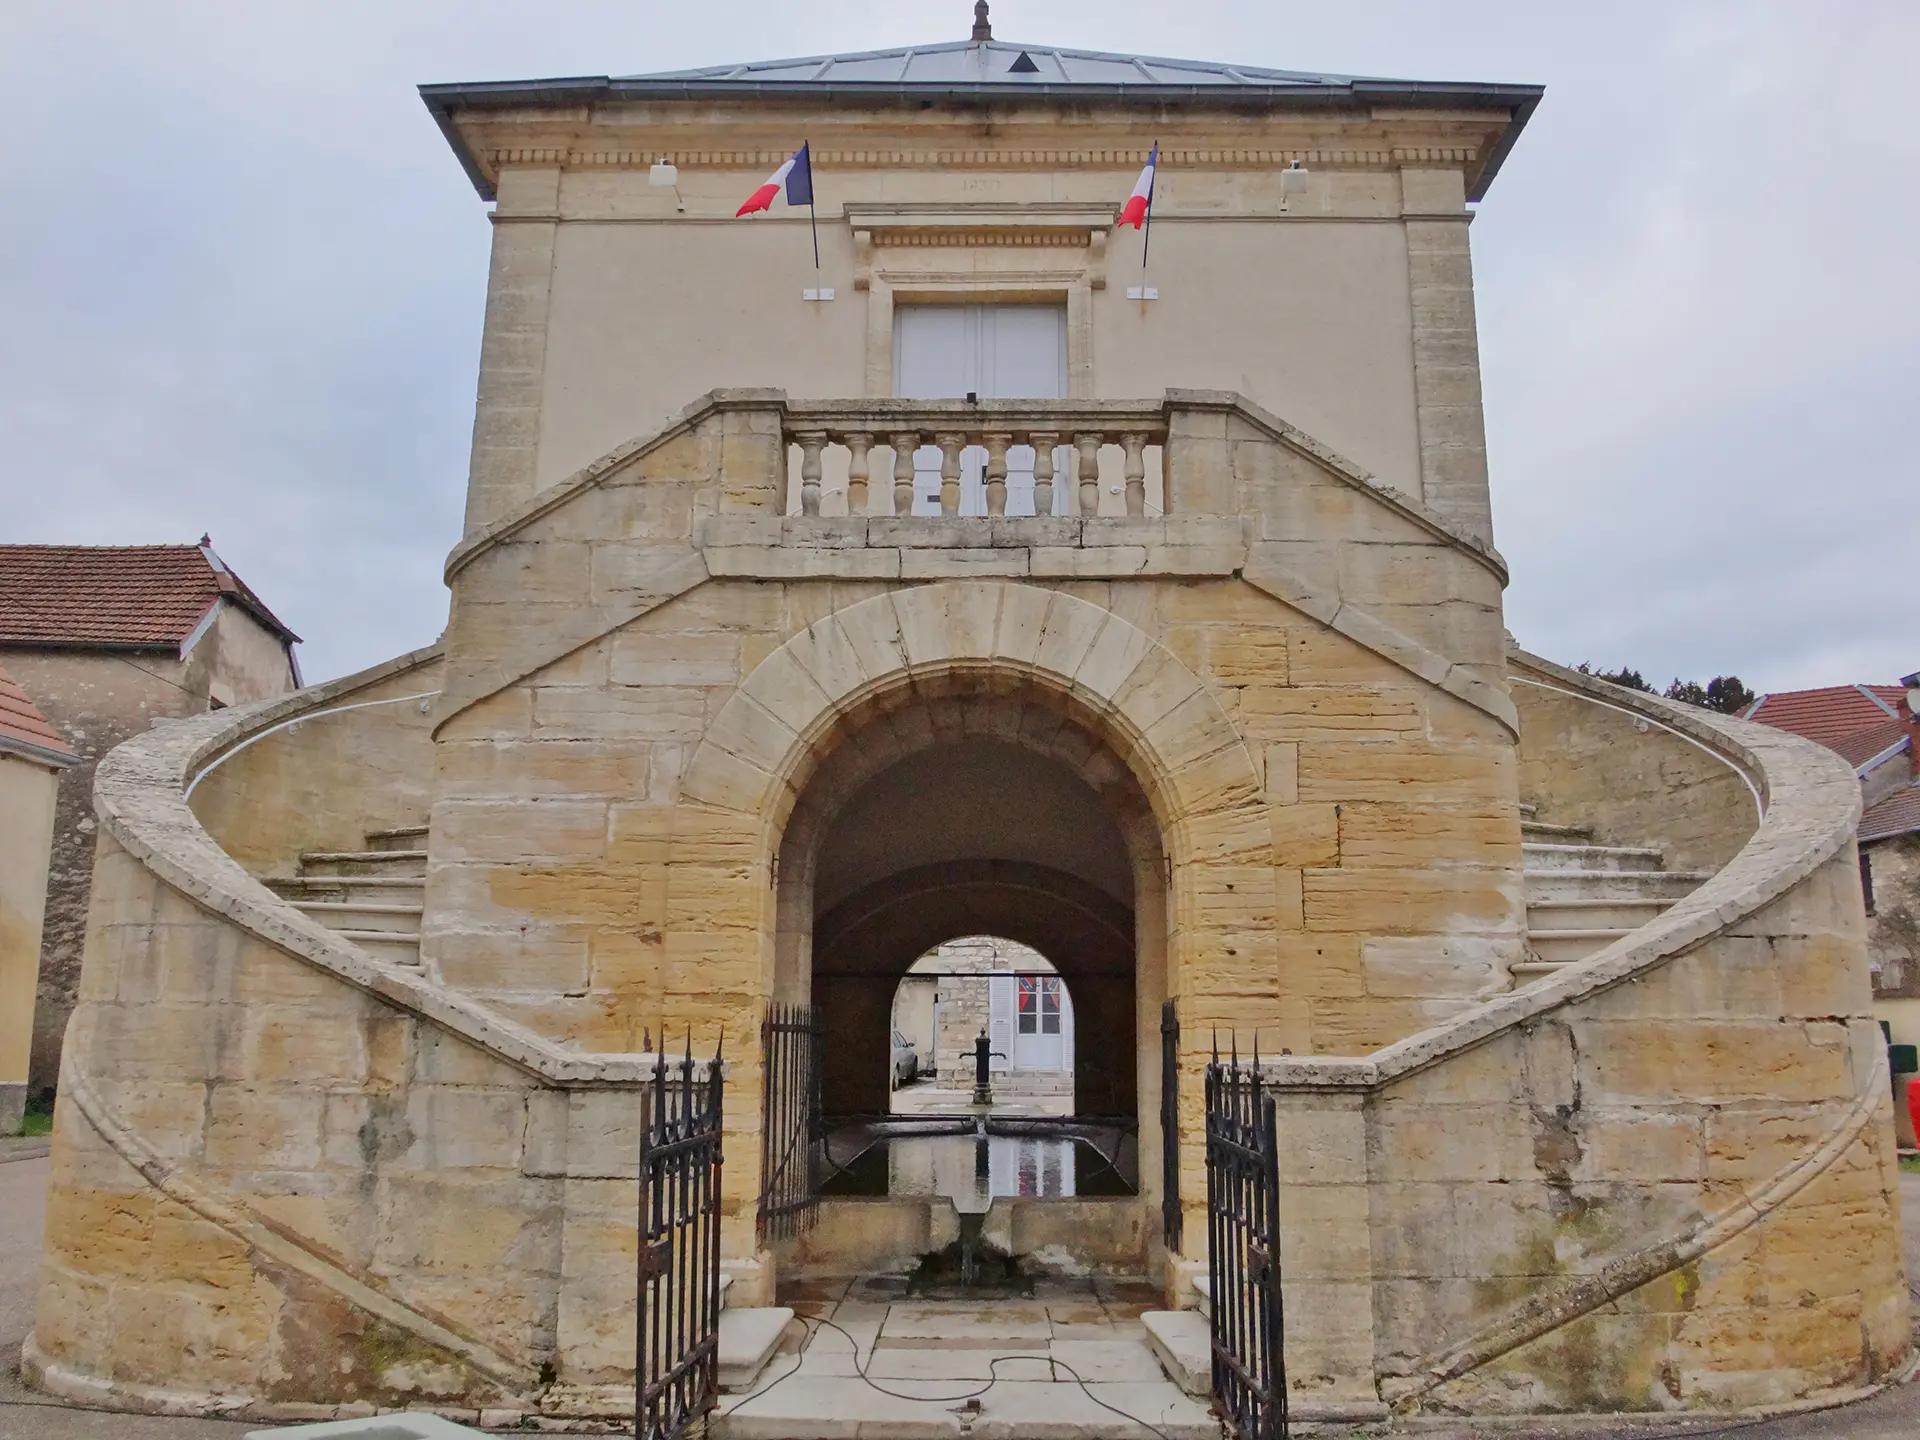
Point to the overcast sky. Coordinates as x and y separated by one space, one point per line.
241 285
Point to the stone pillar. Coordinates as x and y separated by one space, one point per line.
1326 1250
513 346
1446 350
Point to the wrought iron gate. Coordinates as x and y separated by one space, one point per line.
1243 1251
1170 1218
790 1128
677 1323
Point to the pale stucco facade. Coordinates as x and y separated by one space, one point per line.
1239 728
29 787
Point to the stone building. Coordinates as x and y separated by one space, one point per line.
110 640
32 755
977 582
983 985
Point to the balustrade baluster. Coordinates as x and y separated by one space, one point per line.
1135 445
997 444
858 443
1043 442
905 442
950 447
812 442
1089 446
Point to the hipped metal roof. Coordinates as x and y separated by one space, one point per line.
988 70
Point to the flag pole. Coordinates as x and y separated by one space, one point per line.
1146 237
813 214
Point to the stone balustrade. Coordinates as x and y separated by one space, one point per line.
1064 441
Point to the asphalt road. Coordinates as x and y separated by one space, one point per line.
1894 1415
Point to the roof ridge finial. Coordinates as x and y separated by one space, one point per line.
982 27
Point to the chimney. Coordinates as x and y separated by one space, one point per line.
982 30
1911 683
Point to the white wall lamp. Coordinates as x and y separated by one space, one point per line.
667 175
1293 181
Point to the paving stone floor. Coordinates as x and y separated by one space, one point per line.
1070 1360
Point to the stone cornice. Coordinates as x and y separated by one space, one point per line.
640 157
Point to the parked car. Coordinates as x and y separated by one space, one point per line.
906 1060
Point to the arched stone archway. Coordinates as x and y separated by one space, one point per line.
869 940
1142 737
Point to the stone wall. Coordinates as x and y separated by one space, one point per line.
1632 777
363 763
1661 1178
1893 930
321 1183
97 699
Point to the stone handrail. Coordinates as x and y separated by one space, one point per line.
903 426
140 796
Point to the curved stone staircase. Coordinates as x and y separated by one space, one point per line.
1582 895
372 897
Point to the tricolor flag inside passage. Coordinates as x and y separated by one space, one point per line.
1138 203
795 177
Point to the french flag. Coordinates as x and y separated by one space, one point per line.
1138 203
795 177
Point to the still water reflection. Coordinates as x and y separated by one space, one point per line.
974 1169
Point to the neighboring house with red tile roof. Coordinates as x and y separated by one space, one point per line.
109 640
1829 714
32 755
1876 729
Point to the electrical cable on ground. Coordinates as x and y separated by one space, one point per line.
993 1362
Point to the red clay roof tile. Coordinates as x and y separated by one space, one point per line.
1832 713
1898 814
22 723
146 597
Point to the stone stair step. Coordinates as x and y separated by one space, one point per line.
1182 1341
1563 947
364 862
1203 1289
748 1338
381 919
394 948
1590 857
402 837
1556 834
1618 912
352 889
1551 885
